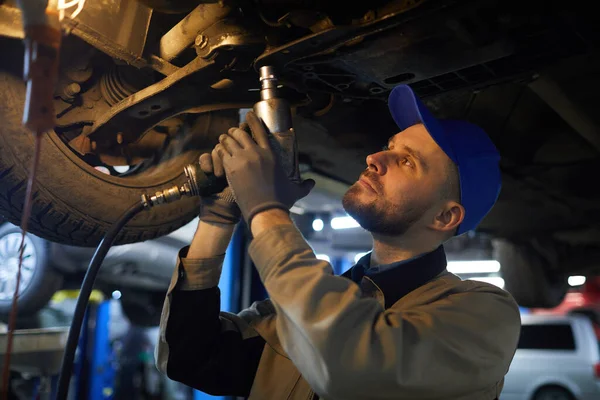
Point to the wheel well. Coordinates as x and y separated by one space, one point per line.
552 386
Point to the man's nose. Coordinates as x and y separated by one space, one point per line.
376 163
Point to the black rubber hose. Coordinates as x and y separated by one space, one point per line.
82 301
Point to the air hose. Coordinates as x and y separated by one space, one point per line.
84 295
198 184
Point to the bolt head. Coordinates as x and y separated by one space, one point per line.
201 41
74 88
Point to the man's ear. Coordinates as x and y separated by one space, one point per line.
449 217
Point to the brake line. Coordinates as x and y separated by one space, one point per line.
24 223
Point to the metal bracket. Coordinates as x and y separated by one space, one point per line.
186 88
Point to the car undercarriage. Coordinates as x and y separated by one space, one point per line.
150 85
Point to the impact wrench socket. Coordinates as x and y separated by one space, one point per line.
276 114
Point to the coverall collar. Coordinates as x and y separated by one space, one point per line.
396 280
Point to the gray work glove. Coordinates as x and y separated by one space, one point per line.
221 207
253 171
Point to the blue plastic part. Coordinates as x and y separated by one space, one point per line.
102 372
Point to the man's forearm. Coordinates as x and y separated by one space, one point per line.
210 240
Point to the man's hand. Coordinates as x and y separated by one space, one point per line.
257 179
219 208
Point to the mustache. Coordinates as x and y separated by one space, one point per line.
373 179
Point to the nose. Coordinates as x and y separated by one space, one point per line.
376 163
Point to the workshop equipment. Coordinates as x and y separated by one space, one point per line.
37 352
276 114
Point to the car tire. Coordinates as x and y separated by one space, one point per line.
552 393
143 309
527 275
74 203
40 279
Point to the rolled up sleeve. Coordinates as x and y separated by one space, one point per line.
349 347
199 345
197 274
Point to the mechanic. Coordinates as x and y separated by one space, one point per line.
397 325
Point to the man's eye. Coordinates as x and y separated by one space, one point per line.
385 148
407 161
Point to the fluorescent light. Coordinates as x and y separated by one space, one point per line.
297 210
318 225
494 280
473 267
116 295
344 223
359 256
576 280
323 257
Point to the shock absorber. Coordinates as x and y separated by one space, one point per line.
276 114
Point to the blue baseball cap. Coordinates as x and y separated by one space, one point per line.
467 145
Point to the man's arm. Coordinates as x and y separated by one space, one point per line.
198 345
349 347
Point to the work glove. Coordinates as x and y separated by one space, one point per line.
221 207
256 176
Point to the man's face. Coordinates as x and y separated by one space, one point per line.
401 185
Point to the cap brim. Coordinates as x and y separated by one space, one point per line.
407 110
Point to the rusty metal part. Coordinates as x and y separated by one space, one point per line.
312 59
183 35
227 35
122 81
147 147
11 24
188 88
71 90
117 27
329 39
142 110
162 66
302 55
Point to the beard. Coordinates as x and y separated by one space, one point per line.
380 216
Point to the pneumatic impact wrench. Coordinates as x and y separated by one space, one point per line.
275 112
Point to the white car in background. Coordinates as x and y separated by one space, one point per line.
558 358
140 272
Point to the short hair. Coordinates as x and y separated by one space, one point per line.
451 187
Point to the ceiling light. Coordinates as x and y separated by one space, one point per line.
473 267
494 280
297 210
318 225
323 257
576 280
359 256
344 223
